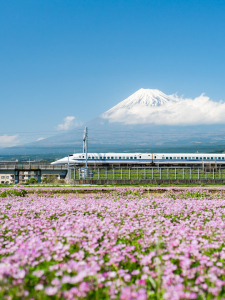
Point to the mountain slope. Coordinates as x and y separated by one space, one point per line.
145 97
145 120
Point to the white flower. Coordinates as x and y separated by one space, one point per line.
39 287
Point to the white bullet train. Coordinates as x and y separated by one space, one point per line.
141 158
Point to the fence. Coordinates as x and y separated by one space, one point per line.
146 173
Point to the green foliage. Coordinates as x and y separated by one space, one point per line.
32 180
196 194
52 179
11 193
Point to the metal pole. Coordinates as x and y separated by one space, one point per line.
175 173
106 173
144 173
121 173
152 173
86 144
160 174
190 173
129 173
98 173
113 174
213 173
137 173
167 173
68 167
219 174
198 173
85 148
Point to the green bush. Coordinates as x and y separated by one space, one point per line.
32 180
11 193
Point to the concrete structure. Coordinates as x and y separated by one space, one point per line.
26 175
21 172
6 178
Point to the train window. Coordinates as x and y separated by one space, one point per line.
200 157
211 157
171 158
196 158
222 157
100 157
167 157
178 157
135 157
89 157
163 157
204 157
124 157
185 158
219 157
155 156
139 156
83 156
104 157
108 157
119 157
115 157
93 157
174 158
112 157
182 158
208 158
189 157
131 157
193 157
127 157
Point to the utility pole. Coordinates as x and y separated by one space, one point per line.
85 146
68 168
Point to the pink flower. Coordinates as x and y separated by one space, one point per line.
50 290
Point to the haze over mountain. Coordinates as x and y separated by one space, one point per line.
148 120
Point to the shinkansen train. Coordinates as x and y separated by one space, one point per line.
141 159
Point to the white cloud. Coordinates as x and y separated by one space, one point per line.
200 110
68 123
40 139
8 140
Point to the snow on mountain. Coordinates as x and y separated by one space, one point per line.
147 106
144 97
147 118
133 109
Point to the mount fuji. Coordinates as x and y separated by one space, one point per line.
148 120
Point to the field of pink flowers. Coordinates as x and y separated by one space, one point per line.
125 245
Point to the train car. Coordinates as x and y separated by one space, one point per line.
79 159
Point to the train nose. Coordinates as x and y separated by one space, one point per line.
59 162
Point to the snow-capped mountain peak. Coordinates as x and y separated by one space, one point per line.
144 97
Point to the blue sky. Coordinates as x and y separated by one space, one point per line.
80 58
